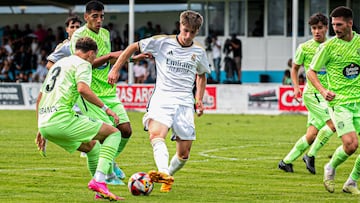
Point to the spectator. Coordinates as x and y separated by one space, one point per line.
216 55
177 28
41 71
149 30
150 74
40 33
5 73
139 72
286 78
236 47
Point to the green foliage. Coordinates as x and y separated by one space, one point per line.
234 159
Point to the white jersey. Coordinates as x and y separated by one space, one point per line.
61 51
176 68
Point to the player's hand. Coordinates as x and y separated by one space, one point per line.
142 56
41 144
109 112
113 77
328 95
199 108
298 95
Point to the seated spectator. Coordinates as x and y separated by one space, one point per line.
139 72
41 71
286 78
150 74
5 73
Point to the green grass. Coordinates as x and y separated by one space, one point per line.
234 159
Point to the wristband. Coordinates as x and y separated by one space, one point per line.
131 60
104 108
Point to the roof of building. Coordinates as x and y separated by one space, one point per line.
70 3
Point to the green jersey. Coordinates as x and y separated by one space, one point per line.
59 90
303 56
341 59
99 82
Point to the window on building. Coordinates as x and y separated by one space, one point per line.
216 18
237 17
301 18
355 5
201 8
275 17
332 5
256 18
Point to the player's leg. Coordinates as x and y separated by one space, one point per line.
343 120
157 133
110 138
318 108
93 111
350 185
184 135
92 150
157 121
124 127
298 149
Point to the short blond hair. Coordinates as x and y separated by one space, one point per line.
192 19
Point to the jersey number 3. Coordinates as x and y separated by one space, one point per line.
54 74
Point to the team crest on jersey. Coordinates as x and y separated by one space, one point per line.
170 53
193 57
351 71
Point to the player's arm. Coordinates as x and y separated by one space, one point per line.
90 96
312 76
200 91
295 81
40 140
49 64
123 58
111 57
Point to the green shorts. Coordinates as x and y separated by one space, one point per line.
71 131
318 110
94 111
346 118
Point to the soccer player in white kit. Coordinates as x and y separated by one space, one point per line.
179 62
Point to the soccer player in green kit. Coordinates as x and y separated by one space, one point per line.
57 122
319 124
94 17
341 58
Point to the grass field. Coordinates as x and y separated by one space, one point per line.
234 159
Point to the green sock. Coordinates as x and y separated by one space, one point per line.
322 138
93 158
122 145
299 148
107 152
356 170
338 157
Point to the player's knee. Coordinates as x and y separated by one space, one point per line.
125 130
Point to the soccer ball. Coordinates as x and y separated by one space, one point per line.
140 184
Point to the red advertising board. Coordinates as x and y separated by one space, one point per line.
287 101
137 96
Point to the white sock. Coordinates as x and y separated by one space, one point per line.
176 164
350 181
161 154
99 176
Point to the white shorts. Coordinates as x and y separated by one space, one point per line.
177 117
